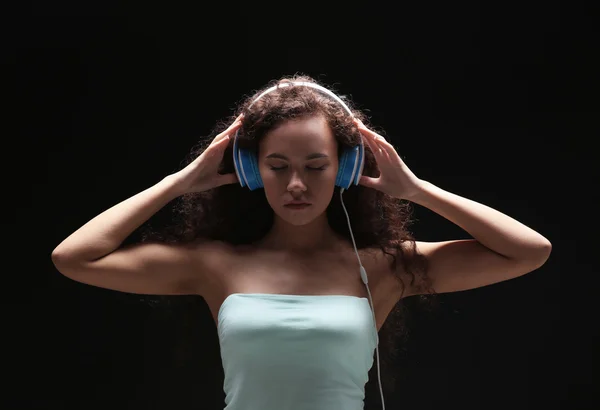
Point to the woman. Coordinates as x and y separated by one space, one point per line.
298 273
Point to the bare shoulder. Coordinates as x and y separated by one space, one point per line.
211 258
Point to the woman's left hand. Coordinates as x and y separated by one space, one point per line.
395 178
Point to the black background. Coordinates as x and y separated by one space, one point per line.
493 101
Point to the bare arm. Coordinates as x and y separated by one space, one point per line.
107 231
501 249
91 254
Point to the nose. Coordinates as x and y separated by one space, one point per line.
296 184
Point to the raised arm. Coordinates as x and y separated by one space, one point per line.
93 253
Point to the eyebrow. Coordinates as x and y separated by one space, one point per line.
310 156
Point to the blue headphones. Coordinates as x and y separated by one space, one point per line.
351 162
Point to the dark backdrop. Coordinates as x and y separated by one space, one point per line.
496 102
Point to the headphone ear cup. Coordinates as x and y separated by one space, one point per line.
346 169
250 166
237 162
340 174
246 166
361 163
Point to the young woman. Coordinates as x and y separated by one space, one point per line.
293 229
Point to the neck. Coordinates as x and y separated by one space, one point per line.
317 235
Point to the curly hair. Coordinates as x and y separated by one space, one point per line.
238 216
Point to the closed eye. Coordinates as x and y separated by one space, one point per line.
321 168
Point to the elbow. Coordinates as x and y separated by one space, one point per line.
60 257
547 249
533 255
541 252
57 257
63 263
59 260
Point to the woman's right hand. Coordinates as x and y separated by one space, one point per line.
202 173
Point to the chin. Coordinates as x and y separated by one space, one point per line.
299 218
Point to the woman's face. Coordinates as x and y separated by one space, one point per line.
298 161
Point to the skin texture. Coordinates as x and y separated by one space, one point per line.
290 171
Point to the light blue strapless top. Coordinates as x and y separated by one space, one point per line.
296 352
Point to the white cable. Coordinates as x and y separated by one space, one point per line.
363 274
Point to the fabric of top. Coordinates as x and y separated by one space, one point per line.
295 352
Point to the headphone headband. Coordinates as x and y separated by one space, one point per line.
305 84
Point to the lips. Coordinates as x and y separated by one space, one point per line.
297 205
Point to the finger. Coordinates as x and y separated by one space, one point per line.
383 146
379 146
387 148
222 144
375 141
368 139
378 151
373 137
229 131
216 148
364 130
374 148
239 118
233 127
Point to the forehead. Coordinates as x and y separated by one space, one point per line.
300 136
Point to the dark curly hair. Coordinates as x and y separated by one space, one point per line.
237 215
